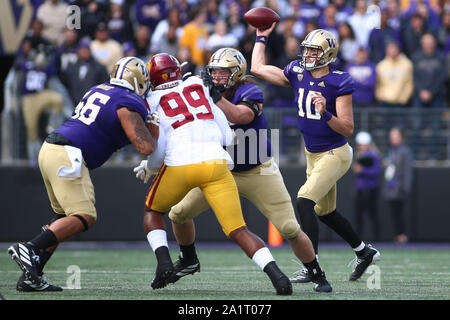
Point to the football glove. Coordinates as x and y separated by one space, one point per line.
153 118
142 172
214 92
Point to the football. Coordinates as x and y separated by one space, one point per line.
261 18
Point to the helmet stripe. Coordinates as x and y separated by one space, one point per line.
123 65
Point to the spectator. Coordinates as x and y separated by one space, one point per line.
328 20
53 15
364 74
86 72
92 12
36 98
344 10
349 45
105 50
278 96
150 12
129 50
188 66
118 24
443 34
67 52
398 177
359 21
212 8
167 33
395 83
142 42
367 168
379 38
412 34
34 35
195 35
394 15
236 23
429 74
221 38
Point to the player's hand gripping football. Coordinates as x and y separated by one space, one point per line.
320 102
265 32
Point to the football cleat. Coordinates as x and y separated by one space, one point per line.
181 268
162 276
301 276
321 283
362 263
24 285
25 257
279 280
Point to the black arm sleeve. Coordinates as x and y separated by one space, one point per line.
253 105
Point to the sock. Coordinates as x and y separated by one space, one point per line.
44 256
163 256
308 221
342 227
262 257
188 252
361 249
157 238
313 268
272 270
43 240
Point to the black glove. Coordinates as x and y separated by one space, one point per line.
214 92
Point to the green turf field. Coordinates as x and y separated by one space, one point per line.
407 273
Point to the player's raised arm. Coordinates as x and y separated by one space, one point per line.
136 131
259 67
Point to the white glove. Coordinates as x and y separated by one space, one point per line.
142 172
153 118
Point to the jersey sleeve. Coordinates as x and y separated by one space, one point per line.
346 86
288 72
156 159
250 91
134 103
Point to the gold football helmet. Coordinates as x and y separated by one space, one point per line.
327 45
131 73
231 59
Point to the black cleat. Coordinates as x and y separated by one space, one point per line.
181 268
27 260
301 276
362 263
321 283
279 280
24 285
162 276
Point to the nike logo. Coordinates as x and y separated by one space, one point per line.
187 270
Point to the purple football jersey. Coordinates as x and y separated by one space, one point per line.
256 137
318 135
95 127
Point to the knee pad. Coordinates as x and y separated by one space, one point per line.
176 214
289 229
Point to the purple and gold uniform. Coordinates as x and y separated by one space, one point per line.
318 135
83 143
95 128
250 155
328 155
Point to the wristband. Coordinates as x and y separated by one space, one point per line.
262 39
326 116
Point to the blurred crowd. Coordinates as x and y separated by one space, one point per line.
401 59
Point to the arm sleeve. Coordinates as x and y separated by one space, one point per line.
156 159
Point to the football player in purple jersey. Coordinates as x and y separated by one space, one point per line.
324 100
108 117
256 174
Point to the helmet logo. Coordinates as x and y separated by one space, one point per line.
331 43
165 76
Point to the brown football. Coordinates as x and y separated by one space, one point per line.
261 18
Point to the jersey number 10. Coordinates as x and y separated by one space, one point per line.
308 105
